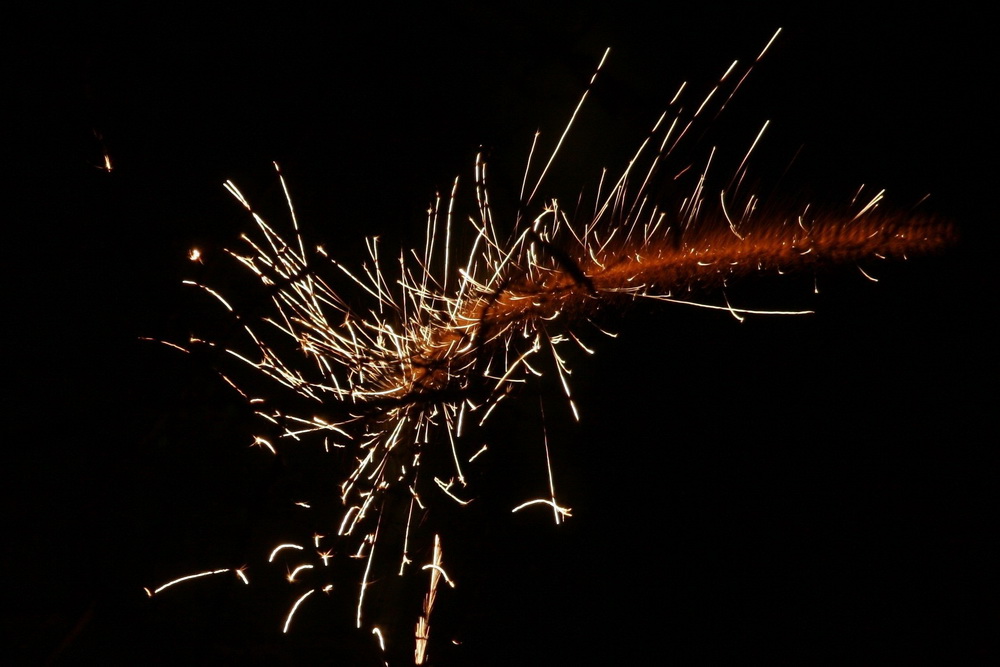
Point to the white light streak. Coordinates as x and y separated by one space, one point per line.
291 612
189 577
281 547
560 511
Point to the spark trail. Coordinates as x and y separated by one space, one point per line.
446 337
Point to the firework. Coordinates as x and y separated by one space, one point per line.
405 357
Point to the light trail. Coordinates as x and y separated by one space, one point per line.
198 575
291 612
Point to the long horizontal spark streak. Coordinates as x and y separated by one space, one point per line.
727 307
427 359
198 575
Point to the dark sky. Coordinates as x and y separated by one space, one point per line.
780 488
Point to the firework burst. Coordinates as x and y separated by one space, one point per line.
403 358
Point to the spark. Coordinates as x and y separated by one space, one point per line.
381 640
440 571
291 612
423 624
447 490
867 275
559 511
365 579
440 344
105 155
282 547
263 442
239 573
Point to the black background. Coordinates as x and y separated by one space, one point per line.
781 488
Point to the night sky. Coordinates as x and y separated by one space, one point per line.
777 489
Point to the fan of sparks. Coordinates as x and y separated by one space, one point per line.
446 337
